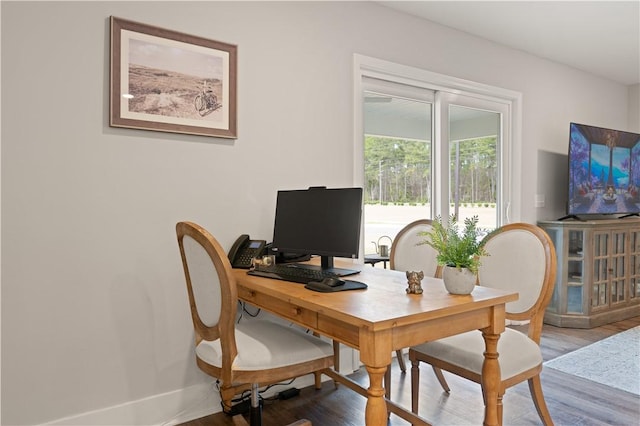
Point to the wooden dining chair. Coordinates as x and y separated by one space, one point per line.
245 354
521 258
407 254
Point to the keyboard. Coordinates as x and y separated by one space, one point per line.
291 273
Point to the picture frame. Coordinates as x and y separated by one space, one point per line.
168 81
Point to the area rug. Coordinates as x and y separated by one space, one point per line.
614 361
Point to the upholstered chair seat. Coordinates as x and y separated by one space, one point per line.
263 344
517 352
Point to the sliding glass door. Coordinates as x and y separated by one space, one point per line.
398 153
472 160
428 153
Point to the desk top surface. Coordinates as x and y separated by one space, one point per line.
383 303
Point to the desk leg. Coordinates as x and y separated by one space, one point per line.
490 381
376 410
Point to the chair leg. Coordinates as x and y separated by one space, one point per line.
535 387
400 358
441 379
318 379
255 415
336 360
415 385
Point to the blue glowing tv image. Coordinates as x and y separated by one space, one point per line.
604 171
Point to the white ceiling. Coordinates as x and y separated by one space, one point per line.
600 37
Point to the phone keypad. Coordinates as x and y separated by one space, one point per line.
246 256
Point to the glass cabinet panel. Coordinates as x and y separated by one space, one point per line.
602 268
618 270
575 265
634 265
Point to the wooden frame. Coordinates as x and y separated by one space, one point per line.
168 81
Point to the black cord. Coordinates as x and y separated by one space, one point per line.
244 309
246 395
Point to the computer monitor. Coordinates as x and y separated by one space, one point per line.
319 221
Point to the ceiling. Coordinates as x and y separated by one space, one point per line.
599 37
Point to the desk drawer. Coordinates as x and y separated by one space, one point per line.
279 307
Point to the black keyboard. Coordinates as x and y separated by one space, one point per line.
292 273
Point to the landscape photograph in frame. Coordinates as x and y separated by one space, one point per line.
168 81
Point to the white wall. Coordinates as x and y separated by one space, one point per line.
634 108
94 311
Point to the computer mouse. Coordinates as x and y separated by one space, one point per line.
332 281
327 285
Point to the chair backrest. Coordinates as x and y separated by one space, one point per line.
211 289
521 258
408 255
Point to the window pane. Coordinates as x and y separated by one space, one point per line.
473 164
397 162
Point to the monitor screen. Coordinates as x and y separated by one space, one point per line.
319 221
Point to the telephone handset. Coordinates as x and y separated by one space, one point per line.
245 249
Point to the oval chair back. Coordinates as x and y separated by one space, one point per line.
521 258
407 254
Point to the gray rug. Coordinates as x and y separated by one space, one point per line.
614 361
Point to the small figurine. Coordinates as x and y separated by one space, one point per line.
414 280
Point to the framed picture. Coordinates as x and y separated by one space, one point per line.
168 81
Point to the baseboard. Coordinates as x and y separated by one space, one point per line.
182 405
168 409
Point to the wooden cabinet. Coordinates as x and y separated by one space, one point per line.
598 276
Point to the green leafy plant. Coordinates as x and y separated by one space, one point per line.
455 247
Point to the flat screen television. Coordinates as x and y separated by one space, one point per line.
604 171
319 221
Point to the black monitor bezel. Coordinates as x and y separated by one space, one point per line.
352 205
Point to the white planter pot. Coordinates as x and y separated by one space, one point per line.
458 281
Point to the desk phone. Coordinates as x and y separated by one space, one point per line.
245 249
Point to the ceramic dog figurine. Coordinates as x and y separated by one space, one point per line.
414 279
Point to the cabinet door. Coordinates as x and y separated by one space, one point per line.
574 303
601 269
634 265
617 271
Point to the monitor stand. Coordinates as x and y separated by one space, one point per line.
326 264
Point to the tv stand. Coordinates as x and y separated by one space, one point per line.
598 274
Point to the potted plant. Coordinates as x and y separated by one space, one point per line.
459 251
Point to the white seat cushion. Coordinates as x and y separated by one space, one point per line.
264 344
517 352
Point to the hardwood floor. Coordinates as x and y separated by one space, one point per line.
571 400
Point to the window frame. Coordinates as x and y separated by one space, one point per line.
444 86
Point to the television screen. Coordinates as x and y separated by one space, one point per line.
604 171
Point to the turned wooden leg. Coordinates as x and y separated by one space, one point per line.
376 410
491 380
387 383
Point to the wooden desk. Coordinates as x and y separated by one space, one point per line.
383 318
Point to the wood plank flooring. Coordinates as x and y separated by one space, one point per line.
571 400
